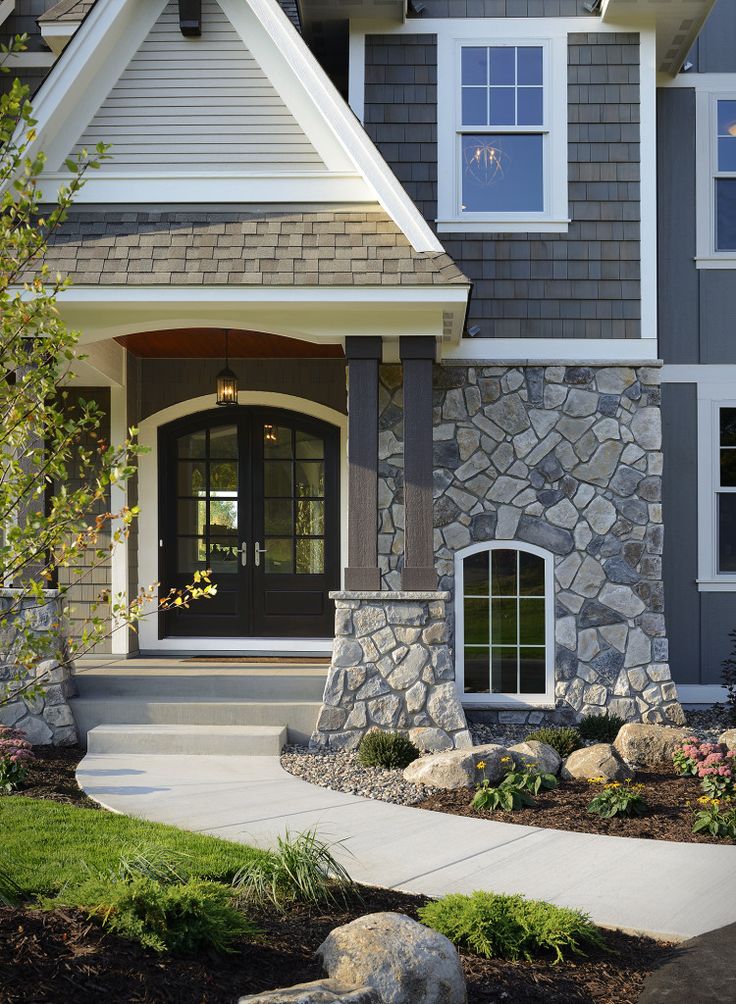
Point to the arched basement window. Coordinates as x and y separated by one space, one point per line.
504 624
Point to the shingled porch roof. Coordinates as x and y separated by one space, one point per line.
326 246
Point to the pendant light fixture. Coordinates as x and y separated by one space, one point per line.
227 382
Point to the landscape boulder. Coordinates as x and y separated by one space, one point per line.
402 960
600 760
319 992
648 745
728 739
534 755
457 768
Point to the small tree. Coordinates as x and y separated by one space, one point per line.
56 470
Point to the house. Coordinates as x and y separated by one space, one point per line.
445 248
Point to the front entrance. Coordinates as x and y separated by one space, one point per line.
251 494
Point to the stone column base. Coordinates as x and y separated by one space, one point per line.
392 670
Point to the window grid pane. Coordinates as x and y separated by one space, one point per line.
502 86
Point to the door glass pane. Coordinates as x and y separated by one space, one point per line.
727 532
476 622
191 516
277 442
192 477
502 173
224 443
503 670
309 447
503 565
191 554
224 553
728 468
310 556
193 445
477 670
310 478
531 671
531 622
279 556
727 135
503 622
728 426
476 574
726 214
531 574
278 517
223 514
310 518
224 476
277 479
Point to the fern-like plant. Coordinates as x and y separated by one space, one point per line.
389 750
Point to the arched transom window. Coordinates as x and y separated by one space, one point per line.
504 623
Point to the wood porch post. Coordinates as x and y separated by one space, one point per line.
363 355
417 356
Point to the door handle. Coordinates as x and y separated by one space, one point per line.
258 551
244 553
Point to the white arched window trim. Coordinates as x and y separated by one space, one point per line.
506 700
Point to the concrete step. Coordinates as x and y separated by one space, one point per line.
268 683
299 717
218 740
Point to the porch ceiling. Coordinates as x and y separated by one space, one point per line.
209 343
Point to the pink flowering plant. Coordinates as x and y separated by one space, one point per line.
711 762
15 755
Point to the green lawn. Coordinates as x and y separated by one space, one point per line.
45 845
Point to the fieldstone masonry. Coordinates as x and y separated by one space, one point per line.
391 669
46 719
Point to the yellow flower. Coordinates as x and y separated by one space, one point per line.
614 784
481 765
596 780
505 759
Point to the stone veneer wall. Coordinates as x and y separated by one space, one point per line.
47 718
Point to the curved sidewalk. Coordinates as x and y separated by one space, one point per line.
664 889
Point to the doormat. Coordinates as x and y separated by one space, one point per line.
255 660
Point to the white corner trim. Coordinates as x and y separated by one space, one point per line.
356 74
648 190
594 350
489 699
148 529
119 582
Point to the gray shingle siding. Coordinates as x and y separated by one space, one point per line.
583 284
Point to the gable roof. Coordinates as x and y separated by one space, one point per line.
324 246
110 36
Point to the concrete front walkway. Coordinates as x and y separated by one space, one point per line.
665 889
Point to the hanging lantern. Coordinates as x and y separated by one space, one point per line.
227 382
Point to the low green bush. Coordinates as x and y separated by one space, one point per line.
184 917
564 740
302 868
602 728
510 927
389 750
617 799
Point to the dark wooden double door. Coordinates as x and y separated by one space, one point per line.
252 495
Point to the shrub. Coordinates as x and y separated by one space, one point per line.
389 750
303 868
167 917
513 792
564 740
162 864
618 799
15 753
711 762
602 728
510 927
717 817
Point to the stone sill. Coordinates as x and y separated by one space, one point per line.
507 706
389 595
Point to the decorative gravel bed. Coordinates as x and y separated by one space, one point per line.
344 772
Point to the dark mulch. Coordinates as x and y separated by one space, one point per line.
565 808
51 776
60 955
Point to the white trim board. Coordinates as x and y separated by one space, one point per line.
563 350
703 693
114 30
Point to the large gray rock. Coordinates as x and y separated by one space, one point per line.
648 745
600 760
319 992
404 961
536 756
458 768
728 739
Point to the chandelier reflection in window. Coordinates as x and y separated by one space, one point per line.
486 162
270 436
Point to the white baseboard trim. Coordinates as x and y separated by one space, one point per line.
706 693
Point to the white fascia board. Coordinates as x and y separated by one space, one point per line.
455 294
701 81
597 351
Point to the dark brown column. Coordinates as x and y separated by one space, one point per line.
417 356
363 355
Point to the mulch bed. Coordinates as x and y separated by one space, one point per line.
60 955
565 808
51 776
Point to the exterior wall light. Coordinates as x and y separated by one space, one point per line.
227 382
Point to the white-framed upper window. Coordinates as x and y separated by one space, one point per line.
716 179
502 132
504 624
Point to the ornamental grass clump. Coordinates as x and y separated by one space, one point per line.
564 740
389 750
15 755
717 817
617 799
711 762
510 927
601 728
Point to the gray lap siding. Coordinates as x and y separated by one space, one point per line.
582 284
